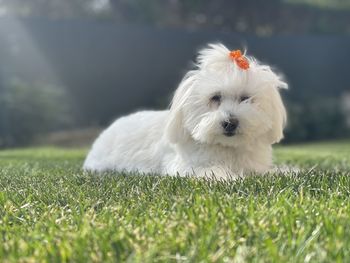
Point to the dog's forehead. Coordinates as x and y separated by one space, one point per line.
227 82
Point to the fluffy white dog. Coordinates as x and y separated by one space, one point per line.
224 117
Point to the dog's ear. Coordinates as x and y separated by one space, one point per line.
174 129
278 111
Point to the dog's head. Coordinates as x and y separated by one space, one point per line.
221 103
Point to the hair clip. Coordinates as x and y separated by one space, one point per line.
241 61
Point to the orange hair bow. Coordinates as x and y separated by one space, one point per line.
241 61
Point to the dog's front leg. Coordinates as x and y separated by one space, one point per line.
216 172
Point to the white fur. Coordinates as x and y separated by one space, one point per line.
188 139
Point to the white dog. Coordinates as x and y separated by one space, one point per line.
224 117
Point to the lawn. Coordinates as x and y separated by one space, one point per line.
50 211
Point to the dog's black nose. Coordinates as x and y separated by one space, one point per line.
230 126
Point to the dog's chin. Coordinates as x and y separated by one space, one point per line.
226 140
229 140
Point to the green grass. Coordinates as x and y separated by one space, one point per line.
51 212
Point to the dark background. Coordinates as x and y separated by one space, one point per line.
70 65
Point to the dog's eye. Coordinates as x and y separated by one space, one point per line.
216 98
244 98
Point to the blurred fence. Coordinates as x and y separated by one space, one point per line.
109 70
